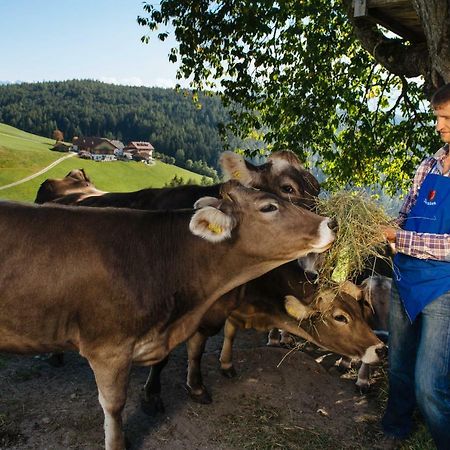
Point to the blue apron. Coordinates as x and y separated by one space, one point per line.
420 281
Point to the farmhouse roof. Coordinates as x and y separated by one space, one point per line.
140 145
118 144
93 141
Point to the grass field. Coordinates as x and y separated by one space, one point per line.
23 154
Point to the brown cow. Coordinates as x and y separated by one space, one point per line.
282 298
123 286
74 182
282 175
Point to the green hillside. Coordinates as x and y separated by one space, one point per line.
23 154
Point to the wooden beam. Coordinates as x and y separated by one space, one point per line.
387 22
388 3
360 9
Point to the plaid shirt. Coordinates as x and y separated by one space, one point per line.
423 245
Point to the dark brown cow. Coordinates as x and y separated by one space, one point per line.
74 182
282 175
282 298
123 286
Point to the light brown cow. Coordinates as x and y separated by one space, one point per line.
333 321
282 298
126 286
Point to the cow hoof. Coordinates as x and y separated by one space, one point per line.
152 405
203 397
229 373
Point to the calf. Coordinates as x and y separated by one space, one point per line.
282 298
123 286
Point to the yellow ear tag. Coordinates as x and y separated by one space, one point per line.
236 174
216 229
291 307
291 310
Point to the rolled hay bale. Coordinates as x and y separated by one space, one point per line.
359 236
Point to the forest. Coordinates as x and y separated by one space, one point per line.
176 124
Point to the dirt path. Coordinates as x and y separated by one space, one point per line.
45 169
298 405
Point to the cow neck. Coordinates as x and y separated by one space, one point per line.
219 277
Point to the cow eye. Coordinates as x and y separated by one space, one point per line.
287 188
341 318
269 208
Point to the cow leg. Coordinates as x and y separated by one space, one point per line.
363 377
195 348
226 355
273 339
111 376
151 402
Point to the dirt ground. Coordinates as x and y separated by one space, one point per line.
298 404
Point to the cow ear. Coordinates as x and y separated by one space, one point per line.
296 309
207 201
212 224
366 292
235 167
286 156
351 289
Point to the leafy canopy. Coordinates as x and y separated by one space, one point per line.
293 72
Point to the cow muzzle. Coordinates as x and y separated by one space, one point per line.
374 354
326 236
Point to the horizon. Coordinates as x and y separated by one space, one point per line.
62 41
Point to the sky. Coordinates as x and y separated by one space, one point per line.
54 40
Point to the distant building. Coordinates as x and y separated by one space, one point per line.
139 151
100 149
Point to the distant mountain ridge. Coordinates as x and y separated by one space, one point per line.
168 119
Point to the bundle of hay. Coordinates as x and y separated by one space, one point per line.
359 236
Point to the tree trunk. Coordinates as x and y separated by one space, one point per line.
435 20
431 59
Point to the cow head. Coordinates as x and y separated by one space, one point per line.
282 174
335 322
262 224
75 182
376 292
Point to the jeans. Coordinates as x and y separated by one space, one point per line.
419 369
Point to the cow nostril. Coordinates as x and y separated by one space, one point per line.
381 352
333 225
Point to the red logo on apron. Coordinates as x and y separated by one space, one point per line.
431 195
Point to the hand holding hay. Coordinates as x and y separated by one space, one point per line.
360 235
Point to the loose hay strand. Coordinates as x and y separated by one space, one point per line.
359 236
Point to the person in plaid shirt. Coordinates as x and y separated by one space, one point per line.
419 317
